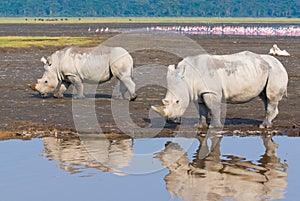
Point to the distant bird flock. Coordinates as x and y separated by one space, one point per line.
247 30
291 30
99 30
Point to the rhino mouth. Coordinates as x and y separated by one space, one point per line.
161 111
174 120
44 94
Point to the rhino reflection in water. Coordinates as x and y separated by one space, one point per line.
213 178
101 154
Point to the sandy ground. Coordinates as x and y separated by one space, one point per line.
25 114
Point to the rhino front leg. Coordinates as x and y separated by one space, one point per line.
203 112
63 87
213 103
76 81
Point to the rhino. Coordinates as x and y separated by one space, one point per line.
75 65
210 80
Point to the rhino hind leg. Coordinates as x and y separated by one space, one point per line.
271 108
130 86
122 70
121 91
271 113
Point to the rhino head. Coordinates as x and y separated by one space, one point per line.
48 83
177 98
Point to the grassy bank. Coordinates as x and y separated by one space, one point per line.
43 41
191 20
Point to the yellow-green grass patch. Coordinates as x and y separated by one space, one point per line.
43 41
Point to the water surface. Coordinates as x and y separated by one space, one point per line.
228 168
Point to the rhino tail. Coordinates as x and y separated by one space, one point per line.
286 93
131 71
131 67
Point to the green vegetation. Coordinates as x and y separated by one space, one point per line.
150 8
42 41
158 20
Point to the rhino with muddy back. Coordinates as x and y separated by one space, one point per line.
210 80
75 65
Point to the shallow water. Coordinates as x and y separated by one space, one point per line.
228 168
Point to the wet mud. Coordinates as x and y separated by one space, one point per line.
24 114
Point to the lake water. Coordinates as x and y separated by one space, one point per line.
228 168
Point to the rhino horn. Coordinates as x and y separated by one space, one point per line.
32 86
160 110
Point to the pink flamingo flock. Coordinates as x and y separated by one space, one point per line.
291 30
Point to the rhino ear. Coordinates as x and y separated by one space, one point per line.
46 63
171 67
165 101
44 60
181 71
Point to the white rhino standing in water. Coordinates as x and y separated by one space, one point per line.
212 79
75 65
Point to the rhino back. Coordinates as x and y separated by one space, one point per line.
91 64
243 75
238 77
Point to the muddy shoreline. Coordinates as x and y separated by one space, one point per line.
25 115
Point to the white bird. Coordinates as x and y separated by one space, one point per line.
275 51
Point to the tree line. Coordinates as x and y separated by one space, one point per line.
149 8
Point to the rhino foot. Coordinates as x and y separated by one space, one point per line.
79 97
202 125
265 125
176 120
133 97
58 95
215 126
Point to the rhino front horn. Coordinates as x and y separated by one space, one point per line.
32 86
159 110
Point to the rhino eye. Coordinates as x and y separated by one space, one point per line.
177 101
46 81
